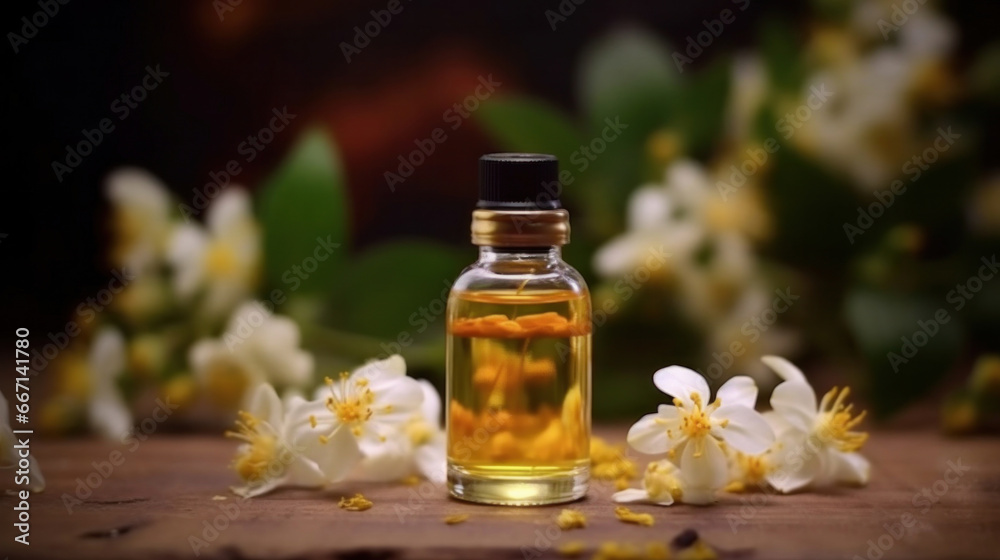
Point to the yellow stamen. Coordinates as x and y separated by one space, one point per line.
836 422
260 449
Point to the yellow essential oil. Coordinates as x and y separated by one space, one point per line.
518 351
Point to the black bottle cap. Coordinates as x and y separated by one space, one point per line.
519 182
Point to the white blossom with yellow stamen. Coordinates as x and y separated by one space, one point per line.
257 347
417 447
357 415
695 434
664 484
222 260
266 459
10 456
817 444
140 206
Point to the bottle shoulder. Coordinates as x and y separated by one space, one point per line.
552 274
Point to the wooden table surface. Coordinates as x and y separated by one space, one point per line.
159 502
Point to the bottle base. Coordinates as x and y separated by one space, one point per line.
508 490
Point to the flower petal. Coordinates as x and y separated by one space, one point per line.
107 355
681 382
648 208
388 462
337 457
848 468
739 390
798 464
747 431
630 495
703 465
431 407
431 460
265 405
795 401
254 489
231 209
649 434
393 366
785 369
108 413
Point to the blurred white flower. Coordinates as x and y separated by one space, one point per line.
705 235
266 460
692 432
140 206
257 347
357 415
869 128
107 411
10 455
419 446
222 260
747 94
817 444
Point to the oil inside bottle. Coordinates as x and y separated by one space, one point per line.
519 396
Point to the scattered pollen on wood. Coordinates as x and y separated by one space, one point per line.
571 519
355 503
455 519
218 498
629 516
572 549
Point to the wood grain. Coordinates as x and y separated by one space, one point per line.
153 503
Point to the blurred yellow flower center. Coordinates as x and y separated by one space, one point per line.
835 423
353 405
259 450
220 260
226 382
419 431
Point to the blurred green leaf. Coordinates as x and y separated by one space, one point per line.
628 74
302 204
399 287
703 100
781 53
811 207
903 364
628 78
520 124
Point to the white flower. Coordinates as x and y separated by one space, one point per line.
363 411
419 446
141 218
817 444
706 235
221 261
107 411
266 460
693 433
10 457
257 347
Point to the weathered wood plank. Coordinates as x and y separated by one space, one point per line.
162 494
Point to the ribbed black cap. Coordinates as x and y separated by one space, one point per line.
519 182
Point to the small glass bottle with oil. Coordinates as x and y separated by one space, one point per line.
518 351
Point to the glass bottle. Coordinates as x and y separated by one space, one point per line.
518 349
